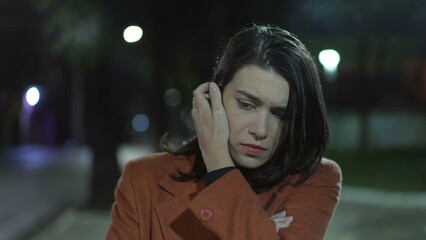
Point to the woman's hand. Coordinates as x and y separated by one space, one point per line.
212 126
281 220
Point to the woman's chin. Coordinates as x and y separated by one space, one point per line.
247 161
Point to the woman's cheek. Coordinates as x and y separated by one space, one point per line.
236 124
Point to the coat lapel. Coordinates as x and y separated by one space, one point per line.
178 222
174 216
167 213
272 201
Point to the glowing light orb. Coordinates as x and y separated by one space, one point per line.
172 97
330 59
132 34
140 122
32 96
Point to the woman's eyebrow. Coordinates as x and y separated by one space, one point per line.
249 96
258 100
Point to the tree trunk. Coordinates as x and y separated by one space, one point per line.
103 136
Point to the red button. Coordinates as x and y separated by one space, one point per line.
206 214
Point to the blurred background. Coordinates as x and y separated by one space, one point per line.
86 85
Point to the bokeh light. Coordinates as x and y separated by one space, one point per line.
132 34
329 59
32 96
172 97
140 122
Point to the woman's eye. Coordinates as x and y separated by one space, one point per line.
245 105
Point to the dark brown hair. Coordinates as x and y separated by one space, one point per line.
305 135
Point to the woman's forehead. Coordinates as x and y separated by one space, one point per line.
264 84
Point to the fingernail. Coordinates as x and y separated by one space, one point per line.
214 87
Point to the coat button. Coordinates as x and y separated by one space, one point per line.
206 214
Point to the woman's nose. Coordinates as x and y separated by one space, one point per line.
259 127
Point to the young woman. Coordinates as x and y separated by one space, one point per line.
255 169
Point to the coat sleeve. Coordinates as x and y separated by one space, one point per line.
312 204
234 211
124 216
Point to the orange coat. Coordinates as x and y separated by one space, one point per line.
151 205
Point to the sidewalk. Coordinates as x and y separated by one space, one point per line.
361 214
76 224
37 183
378 215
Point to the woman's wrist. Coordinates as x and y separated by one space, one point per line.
218 160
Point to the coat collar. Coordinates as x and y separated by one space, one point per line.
176 188
188 189
175 210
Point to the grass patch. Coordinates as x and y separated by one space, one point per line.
398 170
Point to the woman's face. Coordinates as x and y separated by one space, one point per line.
255 102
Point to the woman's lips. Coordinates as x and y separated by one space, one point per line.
253 149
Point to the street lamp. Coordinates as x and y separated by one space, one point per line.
132 34
32 96
330 60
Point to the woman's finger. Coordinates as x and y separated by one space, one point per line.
199 100
215 97
283 222
279 214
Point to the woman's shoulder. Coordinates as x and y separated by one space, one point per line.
159 161
162 162
328 171
328 175
155 158
329 166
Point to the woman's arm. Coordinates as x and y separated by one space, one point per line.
212 127
220 205
229 207
312 204
236 211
